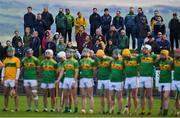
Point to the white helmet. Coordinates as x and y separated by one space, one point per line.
147 47
61 54
49 51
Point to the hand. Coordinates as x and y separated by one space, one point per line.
16 82
2 81
57 81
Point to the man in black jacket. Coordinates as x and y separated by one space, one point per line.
48 18
29 19
174 29
118 21
105 22
94 21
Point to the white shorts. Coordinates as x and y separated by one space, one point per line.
146 82
86 83
175 85
167 87
60 85
30 83
68 82
118 86
131 82
103 84
9 83
47 85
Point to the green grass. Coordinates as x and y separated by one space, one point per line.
22 108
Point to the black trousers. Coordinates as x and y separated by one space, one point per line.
68 34
174 38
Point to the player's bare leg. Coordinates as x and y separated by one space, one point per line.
45 99
29 97
119 100
6 98
83 95
149 95
91 99
135 99
52 94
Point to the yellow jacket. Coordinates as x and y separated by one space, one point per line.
78 22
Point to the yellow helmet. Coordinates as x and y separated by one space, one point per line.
164 52
100 53
126 52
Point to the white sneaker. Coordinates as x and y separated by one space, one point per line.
83 111
91 111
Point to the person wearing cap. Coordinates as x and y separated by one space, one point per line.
30 67
79 21
154 19
105 21
118 21
146 71
103 64
48 74
61 57
9 78
61 23
70 25
70 71
131 66
165 64
174 31
116 81
94 21
87 73
176 82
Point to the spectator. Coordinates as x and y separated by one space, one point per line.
8 44
109 48
159 27
27 37
114 35
154 19
47 36
29 19
70 25
79 21
143 30
123 41
94 21
159 36
118 21
16 39
98 35
51 45
164 44
80 38
105 21
35 44
40 26
48 18
56 38
70 46
19 50
97 46
131 26
174 29
138 20
61 46
150 41
61 23
147 39
88 42
1 52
